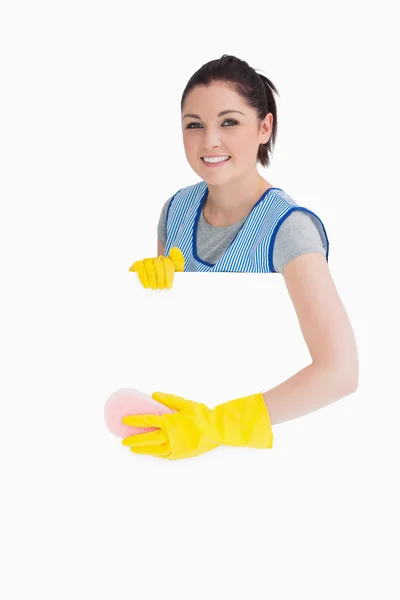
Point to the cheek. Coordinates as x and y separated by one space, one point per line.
188 142
247 145
247 138
191 148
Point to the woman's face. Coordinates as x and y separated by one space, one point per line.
234 134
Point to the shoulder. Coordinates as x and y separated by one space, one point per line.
184 194
165 206
298 234
183 198
298 221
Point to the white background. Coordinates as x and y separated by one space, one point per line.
91 148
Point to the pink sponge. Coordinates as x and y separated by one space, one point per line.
125 402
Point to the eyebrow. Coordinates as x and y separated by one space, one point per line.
223 112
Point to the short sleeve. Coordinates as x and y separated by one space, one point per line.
297 235
162 223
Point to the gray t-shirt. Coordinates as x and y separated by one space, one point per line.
297 235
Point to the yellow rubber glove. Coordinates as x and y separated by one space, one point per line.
158 273
195 429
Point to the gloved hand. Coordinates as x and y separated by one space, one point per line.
158 273
195 429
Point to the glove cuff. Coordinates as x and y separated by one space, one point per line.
242 422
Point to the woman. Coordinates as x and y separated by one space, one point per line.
236 221
233 220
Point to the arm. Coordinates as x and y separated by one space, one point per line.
328 334
160 248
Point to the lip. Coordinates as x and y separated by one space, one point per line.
214 165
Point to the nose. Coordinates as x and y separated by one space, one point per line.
211 138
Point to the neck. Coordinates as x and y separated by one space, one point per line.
231 201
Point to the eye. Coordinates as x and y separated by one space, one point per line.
226 121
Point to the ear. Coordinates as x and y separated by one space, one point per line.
266 128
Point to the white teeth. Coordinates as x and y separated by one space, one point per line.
215 159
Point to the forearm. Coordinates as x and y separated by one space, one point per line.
310 389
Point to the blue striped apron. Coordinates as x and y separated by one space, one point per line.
252 248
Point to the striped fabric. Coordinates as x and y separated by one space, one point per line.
251 250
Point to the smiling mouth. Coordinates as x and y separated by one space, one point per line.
214 162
